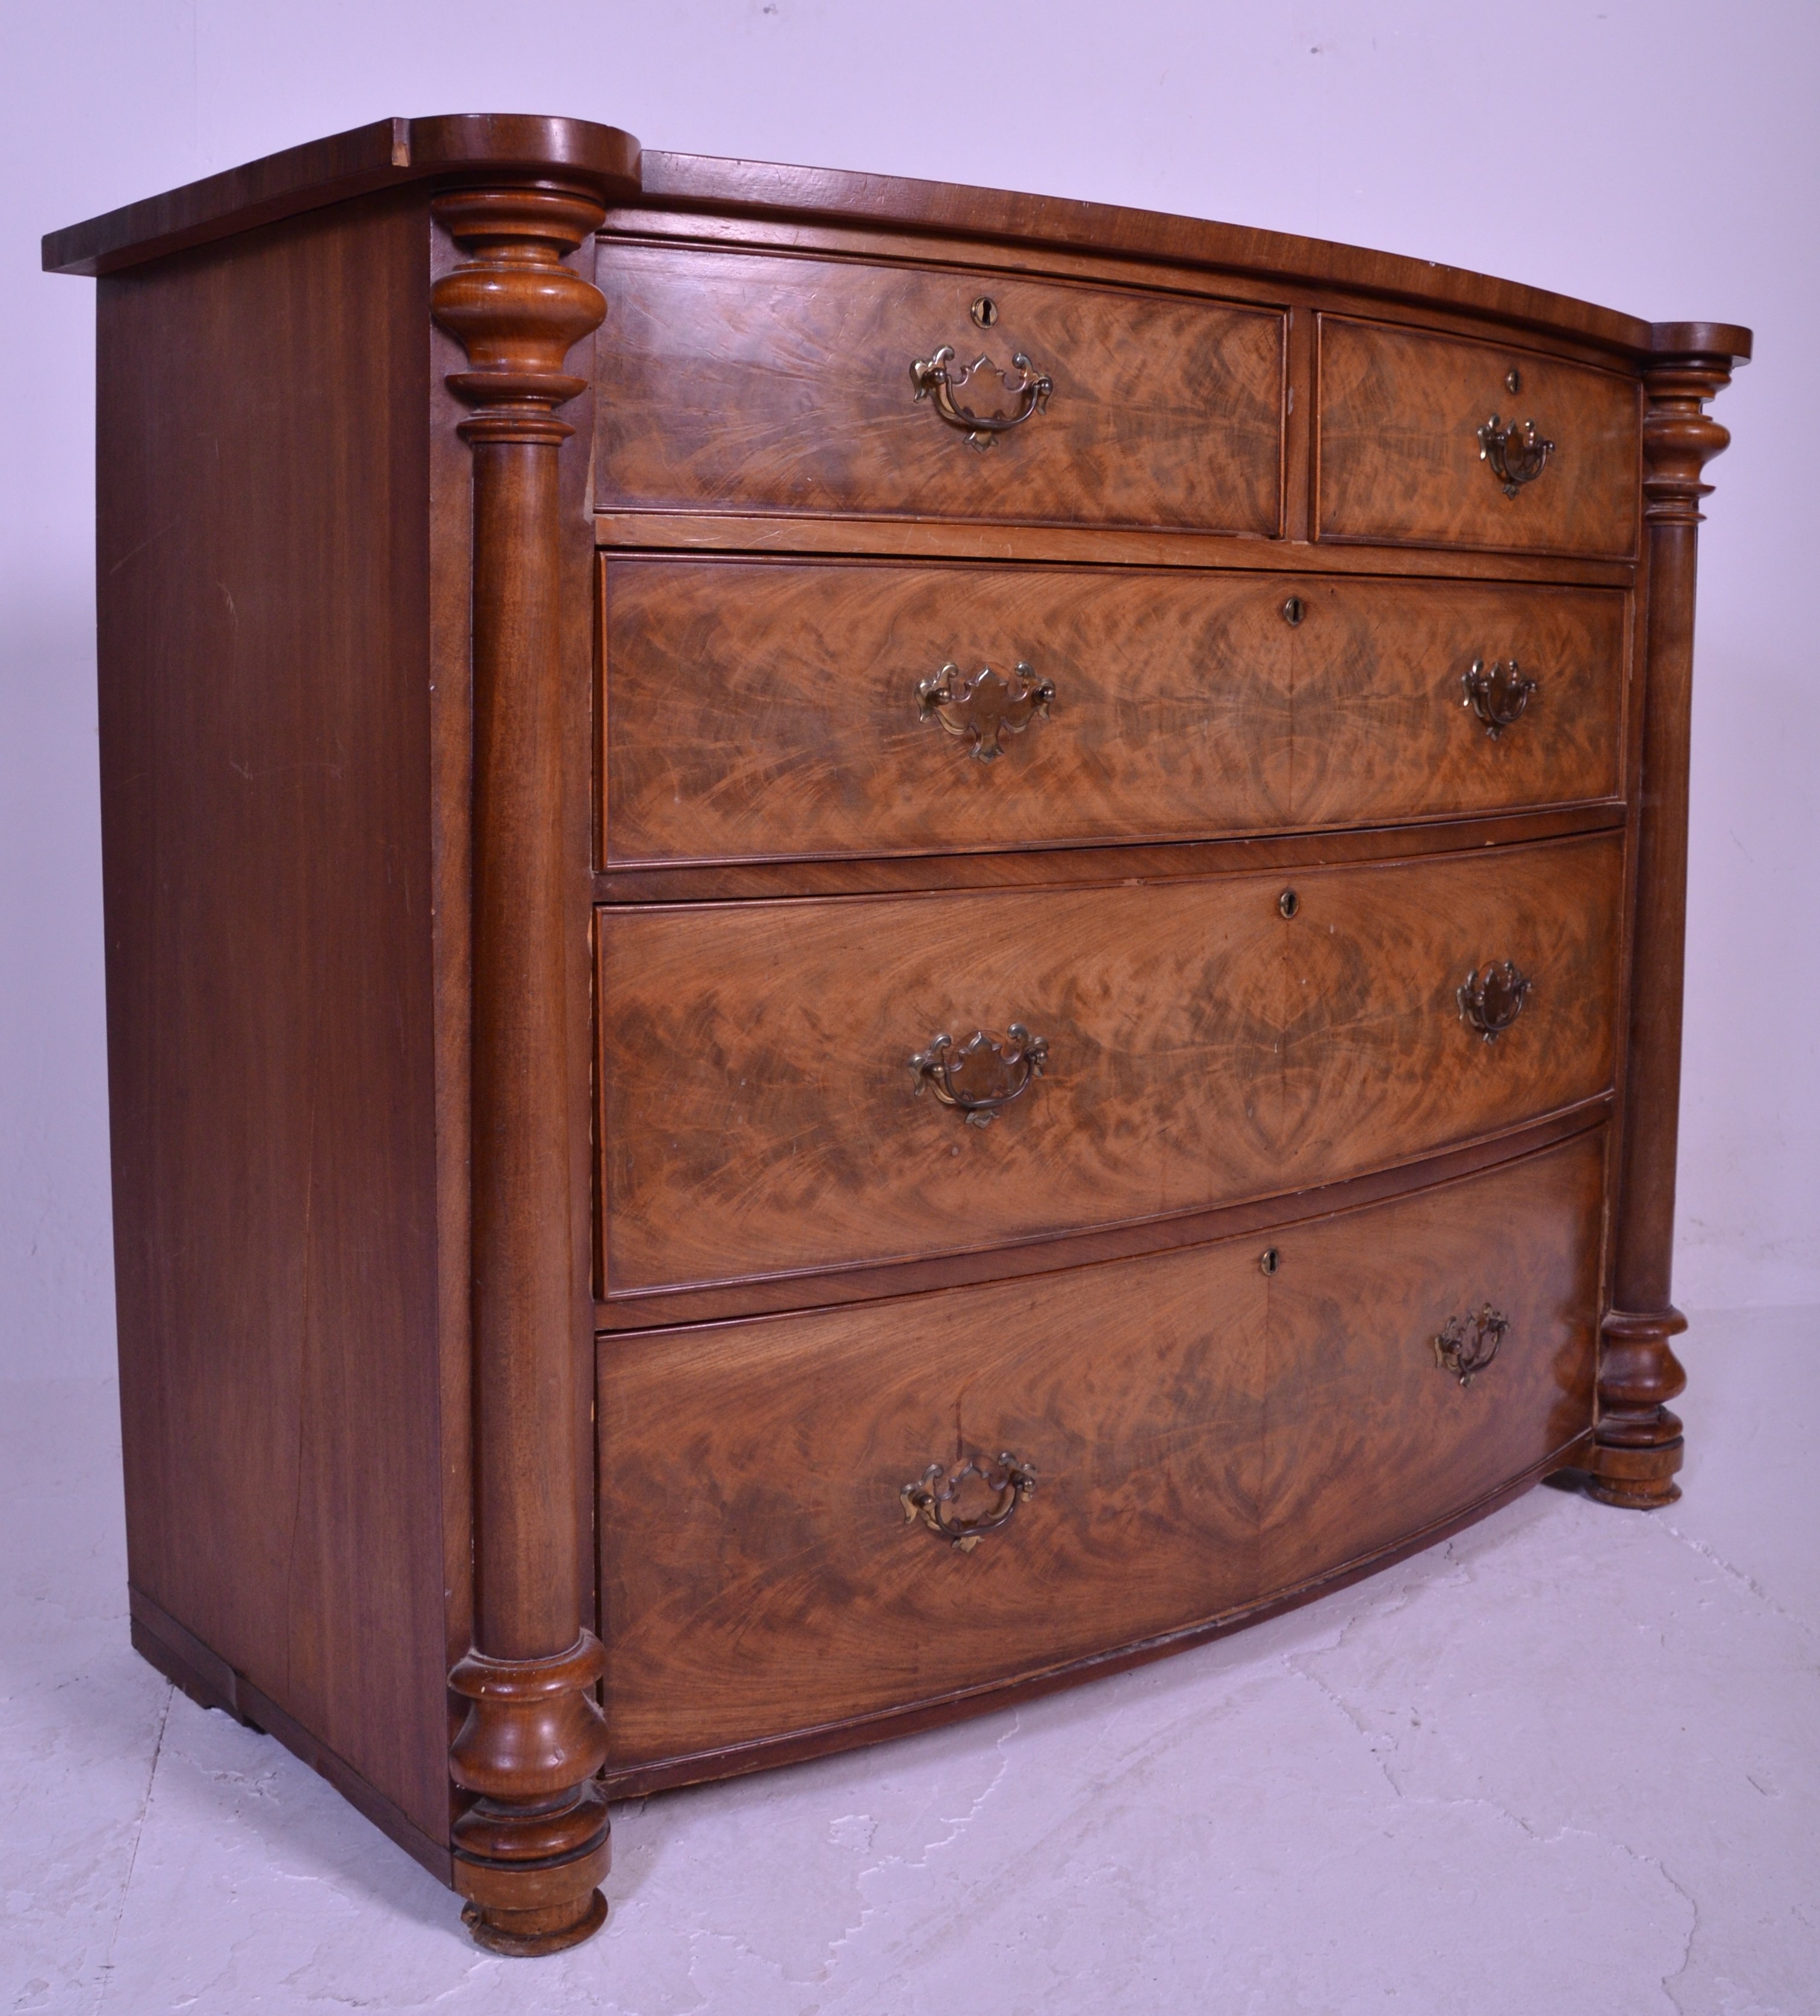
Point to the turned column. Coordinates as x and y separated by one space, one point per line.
1638 1447
531 1849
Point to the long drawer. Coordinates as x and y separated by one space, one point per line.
774 1098
760 382
1201 1437
1440 442
757 708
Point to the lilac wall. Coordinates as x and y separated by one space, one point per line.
1653 155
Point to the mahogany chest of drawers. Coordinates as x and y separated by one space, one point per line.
868 945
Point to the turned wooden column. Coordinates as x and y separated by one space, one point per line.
531 1850
1638 1444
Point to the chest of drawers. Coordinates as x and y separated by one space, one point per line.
868 945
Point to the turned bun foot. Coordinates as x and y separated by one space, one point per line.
1634 1498
525 1934
1638 1448
532 1850
1642 1479
522 1906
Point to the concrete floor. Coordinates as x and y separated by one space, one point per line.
1569 1761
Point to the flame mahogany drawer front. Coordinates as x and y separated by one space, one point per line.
755 708
757 382
1203 1437
1188 1046
1441 442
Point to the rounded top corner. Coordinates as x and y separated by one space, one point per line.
1700 339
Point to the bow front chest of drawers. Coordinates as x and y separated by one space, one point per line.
868 944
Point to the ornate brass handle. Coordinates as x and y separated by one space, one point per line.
1490 1001
939 376
981 1075
1517 454
1465 1345
1498 693
984 709
932 1497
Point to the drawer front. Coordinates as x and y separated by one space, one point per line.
750 381
1401 456
761 709
760 1115
1203 1437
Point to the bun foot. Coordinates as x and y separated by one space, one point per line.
1641 1478
530 1851
1637 1448
546 1929
1633 1497
522 1907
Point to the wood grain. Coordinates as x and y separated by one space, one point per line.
1639 1437
730 381
832 1738
1205 1437
531 1741
761 709
751 532
1399 448
656 1309
264 759
346 758
759 1115
697 188
1032 868
211 1683
387 153
683 187
1365 1437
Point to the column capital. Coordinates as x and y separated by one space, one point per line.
1679 437
514 306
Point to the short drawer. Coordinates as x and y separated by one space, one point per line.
1421 439
770 709
1201 1438
761 1113
735 381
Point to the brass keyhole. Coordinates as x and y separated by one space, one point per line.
1269 1260
1288 902
1513 379
985 311
1294 609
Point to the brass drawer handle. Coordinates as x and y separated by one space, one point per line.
981 1075
1498 693
1490 1001
932 1497
939 376
1517 454
1465 1345
982 710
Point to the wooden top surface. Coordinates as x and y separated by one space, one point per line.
456 147
461 146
